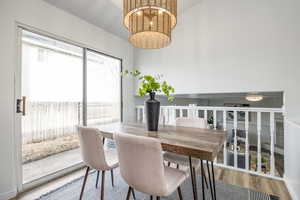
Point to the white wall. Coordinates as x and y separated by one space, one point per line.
231 46
236 46
41 15
292 163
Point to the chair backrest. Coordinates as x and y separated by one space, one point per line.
192 122
141 163
91 146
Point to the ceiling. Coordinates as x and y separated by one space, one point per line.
106 14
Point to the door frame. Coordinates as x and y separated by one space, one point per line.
18 123
17 141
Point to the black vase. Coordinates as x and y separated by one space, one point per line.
152 112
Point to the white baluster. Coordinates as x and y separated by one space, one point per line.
195 113
189 113
180 113
247 140
225 142
170 116
138 114
164 111
258 142
272 132
205 115
215 127
161 116
167 115
215 119
174 116
235 139
144 115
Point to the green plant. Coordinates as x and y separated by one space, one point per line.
151 84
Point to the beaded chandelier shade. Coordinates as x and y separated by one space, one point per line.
150 22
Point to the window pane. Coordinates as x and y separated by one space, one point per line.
103 89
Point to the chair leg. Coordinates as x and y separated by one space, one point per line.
84 182
169 164
128 193
179 193
157 198
102 185
177 166
112 178
133 194
97 179
151 197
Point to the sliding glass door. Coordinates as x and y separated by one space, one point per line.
55 76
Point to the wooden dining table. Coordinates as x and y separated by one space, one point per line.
196 143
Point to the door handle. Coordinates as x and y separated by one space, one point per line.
21 109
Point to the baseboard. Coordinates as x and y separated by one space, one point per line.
8 195
290 189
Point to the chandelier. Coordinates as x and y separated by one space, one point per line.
150 22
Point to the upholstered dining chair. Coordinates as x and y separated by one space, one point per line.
192 122
142 166
181 160
94 156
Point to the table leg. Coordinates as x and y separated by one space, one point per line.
210 184
202 178
193 180
213 176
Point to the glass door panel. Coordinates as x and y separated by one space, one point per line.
52 82
103 89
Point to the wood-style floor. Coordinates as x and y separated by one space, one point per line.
254 182
228 176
